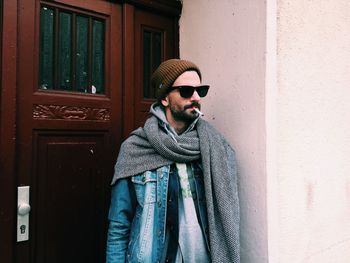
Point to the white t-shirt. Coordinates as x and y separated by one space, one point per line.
192 247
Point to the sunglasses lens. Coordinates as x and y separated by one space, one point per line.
202 91
186 92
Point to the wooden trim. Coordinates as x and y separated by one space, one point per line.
115 78
128 69
170 7
8 130
176 39
97 6
27 75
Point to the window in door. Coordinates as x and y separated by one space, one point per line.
152 57
72 51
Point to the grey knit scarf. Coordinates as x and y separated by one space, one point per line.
151 147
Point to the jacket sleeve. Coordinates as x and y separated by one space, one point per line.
121 214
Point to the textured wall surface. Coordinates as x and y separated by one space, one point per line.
313 138
227 40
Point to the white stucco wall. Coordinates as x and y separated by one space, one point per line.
279 72
312 133
227 40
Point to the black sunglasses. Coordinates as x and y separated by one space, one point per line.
187 91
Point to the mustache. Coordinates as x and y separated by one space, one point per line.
193 104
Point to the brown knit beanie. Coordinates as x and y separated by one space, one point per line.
167 72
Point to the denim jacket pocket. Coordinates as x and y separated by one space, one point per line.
145 187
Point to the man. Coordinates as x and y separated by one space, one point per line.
174 195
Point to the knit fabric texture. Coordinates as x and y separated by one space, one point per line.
167 72
151 147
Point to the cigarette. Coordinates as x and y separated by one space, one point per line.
198 111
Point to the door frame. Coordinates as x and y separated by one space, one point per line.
8 110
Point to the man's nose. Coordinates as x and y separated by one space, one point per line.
195 96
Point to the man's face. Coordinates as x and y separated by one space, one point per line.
181 109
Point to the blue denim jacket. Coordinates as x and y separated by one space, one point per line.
137 217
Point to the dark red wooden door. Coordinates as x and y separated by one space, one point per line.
69 124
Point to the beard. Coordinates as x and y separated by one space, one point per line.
181 114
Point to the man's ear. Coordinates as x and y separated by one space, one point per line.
165 101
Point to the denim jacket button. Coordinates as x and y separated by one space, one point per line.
159 203
159 232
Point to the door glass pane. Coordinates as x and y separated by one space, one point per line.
147 37
46 48
65 51
82 54
97 57
152 55
72 51
157 50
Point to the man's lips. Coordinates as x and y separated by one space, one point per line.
192 106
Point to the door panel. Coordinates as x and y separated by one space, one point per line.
156 40
69 170
69 124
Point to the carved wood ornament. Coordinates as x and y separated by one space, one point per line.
59 112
